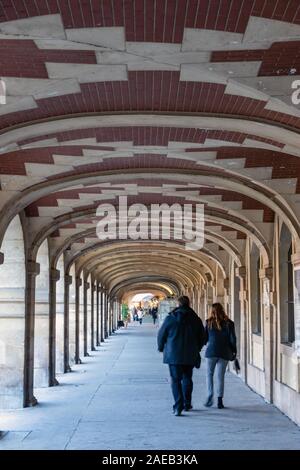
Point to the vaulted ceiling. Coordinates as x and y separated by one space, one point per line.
162 101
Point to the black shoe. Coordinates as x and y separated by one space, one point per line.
220 403
177 412
209 402
188 408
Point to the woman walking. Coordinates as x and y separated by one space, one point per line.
221 348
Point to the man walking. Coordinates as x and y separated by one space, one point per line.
181 338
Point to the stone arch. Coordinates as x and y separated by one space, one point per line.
12 316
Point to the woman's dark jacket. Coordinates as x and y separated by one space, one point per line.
181 337
221 343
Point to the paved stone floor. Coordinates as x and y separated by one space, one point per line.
120 398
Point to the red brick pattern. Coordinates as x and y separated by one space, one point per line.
150 91
284 166
22 58
155 20
247 202
161 136
14 162
278 60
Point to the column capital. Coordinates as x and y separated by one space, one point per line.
68 279
208 277
241 272
295 258
1 257
78 282
266 273
54 274
86 285
33 268
94 287
226 283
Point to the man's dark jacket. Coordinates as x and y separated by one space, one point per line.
181 337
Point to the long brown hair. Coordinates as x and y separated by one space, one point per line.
217 316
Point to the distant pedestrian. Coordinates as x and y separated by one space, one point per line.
181 338
154 313
140 315
221 348
127 319
134 314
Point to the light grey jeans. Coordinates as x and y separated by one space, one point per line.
220 364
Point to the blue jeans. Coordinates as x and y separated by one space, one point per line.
220 364
182 385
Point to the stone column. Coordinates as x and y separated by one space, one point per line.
109 316
42 323
203 303
102 316
227 298
85 318
103 313
53 277
114 313
266 275
241 272
60 319
210 291
32 270
106 317
93 316
77 321
67 345
296 266
98 326
72 319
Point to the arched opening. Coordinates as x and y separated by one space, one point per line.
12 316
286 287
255 291
59 334
256 343
41 322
